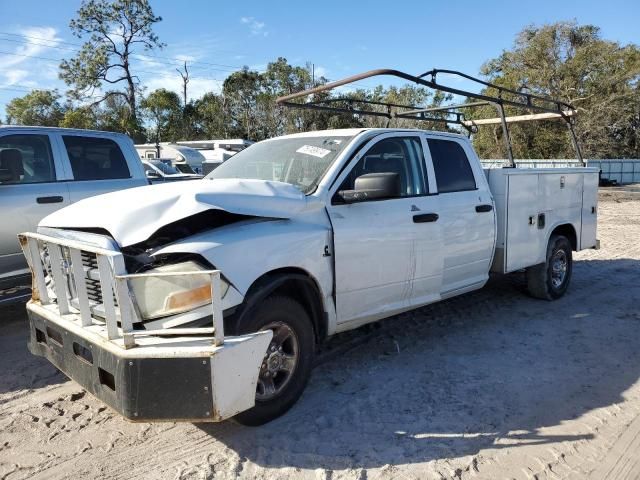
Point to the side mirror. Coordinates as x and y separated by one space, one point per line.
373 186
152 174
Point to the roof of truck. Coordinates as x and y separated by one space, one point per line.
61 130
352 132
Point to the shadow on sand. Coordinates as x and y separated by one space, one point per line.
488 369
21 370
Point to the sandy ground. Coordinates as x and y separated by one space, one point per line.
493 384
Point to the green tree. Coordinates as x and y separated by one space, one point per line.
241 91
210 116
81 117
113 30
113 116
162 108
572 63
39 108
191 129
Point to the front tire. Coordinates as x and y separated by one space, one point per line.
550 280
287 365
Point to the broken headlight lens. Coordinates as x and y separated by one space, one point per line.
166 295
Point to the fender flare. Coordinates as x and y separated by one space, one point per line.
309 295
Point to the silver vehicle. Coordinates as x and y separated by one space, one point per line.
44 169
181 155
159 170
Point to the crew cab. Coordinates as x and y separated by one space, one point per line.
44 169
205 300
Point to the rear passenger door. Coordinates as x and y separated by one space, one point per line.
98 165
29 191
466 215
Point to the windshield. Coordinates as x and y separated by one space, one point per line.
190 154
163 167
184 168
300 161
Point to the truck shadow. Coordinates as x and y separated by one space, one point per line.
20 370
491 369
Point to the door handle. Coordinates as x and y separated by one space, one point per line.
53 199
425 218
484 208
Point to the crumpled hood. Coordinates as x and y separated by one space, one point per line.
133 215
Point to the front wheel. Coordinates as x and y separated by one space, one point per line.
550 280
287 364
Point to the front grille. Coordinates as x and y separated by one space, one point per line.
91 278
89 260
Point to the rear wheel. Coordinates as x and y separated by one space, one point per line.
287 364
550 280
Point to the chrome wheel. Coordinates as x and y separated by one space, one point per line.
559 266
279 362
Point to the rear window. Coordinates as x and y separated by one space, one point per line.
451 165
95 158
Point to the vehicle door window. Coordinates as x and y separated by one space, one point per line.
26 159
401 155
451 165
94 158
148 168
164 167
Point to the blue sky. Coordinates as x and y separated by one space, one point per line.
339 37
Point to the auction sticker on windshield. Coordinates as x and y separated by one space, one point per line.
315 151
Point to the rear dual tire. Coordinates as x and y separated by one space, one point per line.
550 280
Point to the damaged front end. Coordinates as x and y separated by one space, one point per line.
116 351
162 298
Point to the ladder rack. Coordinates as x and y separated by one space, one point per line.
544 108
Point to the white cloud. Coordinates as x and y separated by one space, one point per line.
14 76
185 58
196 87
320 71
258 67
37 40
255 27
21 70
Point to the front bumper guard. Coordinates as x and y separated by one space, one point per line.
182 378
192 374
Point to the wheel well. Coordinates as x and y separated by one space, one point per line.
294 283
568 231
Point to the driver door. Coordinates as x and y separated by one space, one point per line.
377 243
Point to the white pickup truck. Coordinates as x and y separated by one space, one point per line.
309 235
206 300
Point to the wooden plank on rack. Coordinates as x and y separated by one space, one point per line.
519 118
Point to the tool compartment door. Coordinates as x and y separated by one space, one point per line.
589 211
524 239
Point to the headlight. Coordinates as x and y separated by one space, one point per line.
169 295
